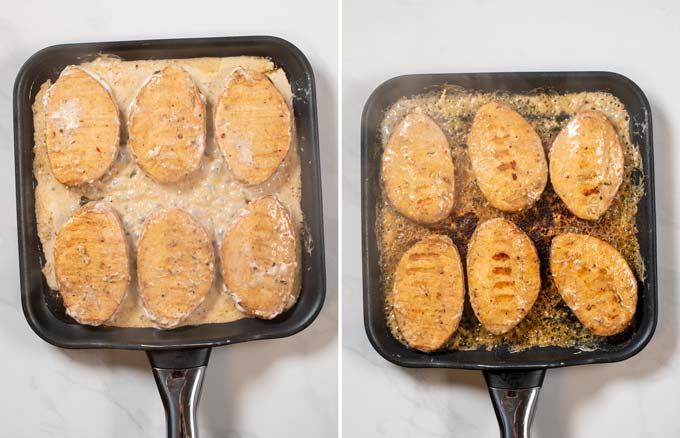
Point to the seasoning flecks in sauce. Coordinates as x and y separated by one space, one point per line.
550 321
211 194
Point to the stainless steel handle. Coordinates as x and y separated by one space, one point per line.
180 391
514 394
179 377
515 410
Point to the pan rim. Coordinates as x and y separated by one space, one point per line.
398 354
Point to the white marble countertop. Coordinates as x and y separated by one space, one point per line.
386 38
284 387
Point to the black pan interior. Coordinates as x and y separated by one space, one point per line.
46 315
613 349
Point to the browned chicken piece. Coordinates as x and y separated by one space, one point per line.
428 293
253 126
504 276
82 128
92 264
417 170
507 158
260 259
167 125
595 281
586 164
175 266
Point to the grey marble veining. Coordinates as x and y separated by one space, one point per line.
630 399
283 387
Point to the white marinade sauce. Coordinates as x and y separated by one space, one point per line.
211 194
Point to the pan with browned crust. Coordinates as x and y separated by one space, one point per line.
514 375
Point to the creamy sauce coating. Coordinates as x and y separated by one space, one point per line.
211 194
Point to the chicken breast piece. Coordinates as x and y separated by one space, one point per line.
260 259
503 272
586 164
92 264
253 126
507 158
175 266
417 170
595 281
428 293
82 128
167 125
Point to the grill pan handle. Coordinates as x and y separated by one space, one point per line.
514 395
179 377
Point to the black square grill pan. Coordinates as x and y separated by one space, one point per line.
179 356
514 378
